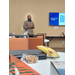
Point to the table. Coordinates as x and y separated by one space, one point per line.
44 67
51 37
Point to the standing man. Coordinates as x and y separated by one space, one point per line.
28 26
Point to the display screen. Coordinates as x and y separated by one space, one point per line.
57 19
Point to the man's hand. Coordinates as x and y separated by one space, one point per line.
30 26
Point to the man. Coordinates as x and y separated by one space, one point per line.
28 26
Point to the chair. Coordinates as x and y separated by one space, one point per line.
35 41
45 40
18 44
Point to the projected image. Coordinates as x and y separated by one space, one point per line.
61 18
56 19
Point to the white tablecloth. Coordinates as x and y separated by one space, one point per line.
44 67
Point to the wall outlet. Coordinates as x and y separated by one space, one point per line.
55 27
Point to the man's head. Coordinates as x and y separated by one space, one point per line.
29 18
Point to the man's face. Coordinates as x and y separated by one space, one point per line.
29 17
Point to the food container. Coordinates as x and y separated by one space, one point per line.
29 58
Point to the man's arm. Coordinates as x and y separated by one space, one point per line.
33 26
25 26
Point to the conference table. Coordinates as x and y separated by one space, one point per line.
44 67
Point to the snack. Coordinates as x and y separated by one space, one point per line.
49 51
31 59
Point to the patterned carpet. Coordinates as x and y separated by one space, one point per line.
59 49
